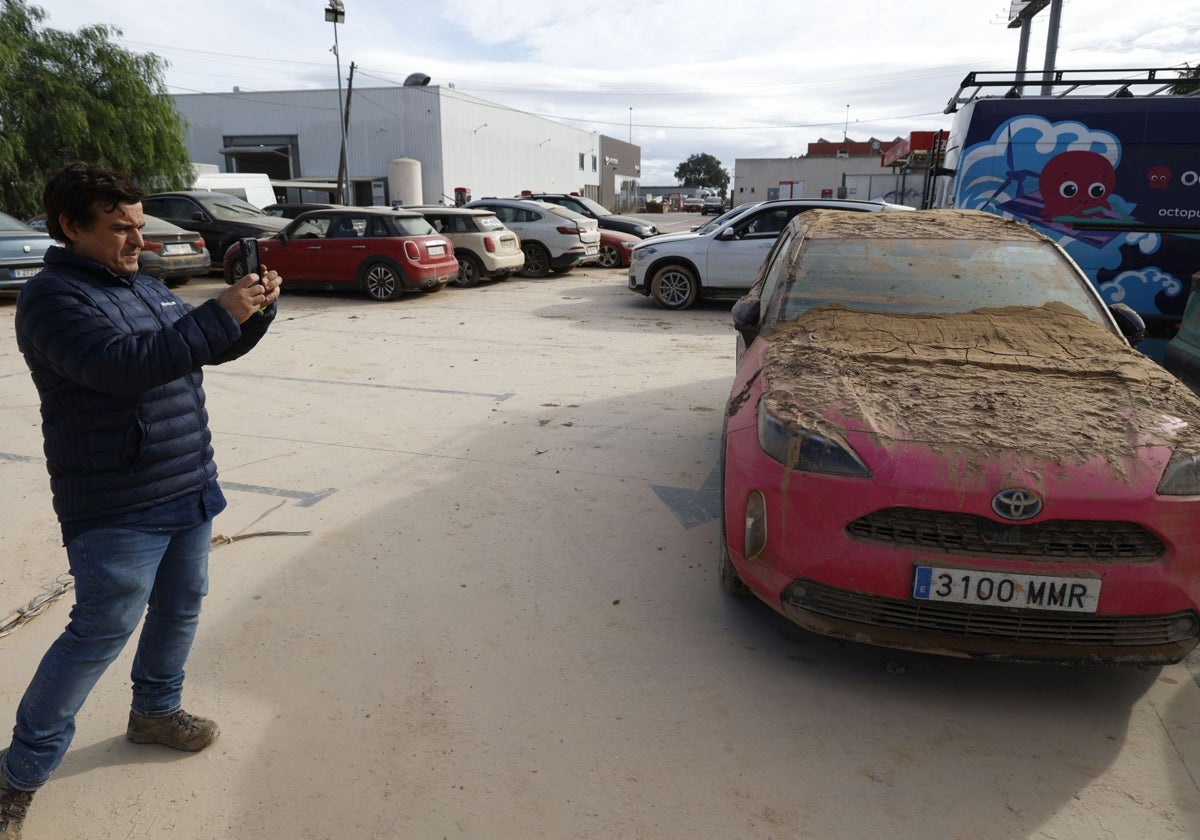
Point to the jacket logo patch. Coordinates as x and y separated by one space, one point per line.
166 303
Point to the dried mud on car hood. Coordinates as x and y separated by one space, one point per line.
1042 381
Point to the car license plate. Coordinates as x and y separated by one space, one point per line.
592 250
25 272
436 250
177 248
999 589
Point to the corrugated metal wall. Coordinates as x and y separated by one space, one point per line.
460 140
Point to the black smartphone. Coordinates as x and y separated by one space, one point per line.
250 253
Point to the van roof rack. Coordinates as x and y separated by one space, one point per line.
1150 81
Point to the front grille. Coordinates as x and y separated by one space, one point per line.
960 533
981 622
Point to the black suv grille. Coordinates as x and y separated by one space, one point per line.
959 533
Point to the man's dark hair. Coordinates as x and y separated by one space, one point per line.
80 191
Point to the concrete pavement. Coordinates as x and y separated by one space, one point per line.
504 621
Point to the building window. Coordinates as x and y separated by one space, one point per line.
593 163
581 154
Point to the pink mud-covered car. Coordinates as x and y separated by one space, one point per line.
940 439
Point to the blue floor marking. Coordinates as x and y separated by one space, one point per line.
507 395
693 507
305 499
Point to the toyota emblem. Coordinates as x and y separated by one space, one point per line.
1017 504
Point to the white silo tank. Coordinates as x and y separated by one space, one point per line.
404 181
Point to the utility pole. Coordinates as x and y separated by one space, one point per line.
343 174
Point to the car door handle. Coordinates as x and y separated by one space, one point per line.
314 247
358 247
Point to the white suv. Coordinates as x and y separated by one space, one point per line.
677 269
552 237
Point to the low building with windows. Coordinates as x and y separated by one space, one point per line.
870 169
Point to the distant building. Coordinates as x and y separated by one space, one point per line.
432 139
833 169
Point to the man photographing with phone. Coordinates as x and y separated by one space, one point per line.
117 360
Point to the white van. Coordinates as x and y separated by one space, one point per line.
254 187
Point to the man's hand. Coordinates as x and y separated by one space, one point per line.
251 294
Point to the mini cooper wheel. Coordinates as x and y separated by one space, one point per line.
470 271
537 260
381 282
674 287
237 270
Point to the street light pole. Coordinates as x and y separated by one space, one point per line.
335 13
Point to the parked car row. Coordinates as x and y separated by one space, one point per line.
553 238
170 254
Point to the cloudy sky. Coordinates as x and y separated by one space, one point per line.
731 78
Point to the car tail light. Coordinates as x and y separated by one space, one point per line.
147 245
489 244
412 251
199 243
569 231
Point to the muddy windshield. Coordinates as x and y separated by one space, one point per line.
933 275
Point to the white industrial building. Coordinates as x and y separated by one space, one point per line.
413 144
893 170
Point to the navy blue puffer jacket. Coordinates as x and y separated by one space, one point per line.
117 362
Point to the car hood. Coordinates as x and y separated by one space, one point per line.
269 224
667 238
1037 387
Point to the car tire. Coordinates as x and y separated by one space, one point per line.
237 270
537 260
381 281
610 257
470 270
674 287
727 575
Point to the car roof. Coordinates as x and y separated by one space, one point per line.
919 224
454 211
833 203
557 209
342 210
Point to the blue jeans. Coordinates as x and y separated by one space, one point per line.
119 575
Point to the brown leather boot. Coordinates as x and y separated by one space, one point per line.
14 804
179 731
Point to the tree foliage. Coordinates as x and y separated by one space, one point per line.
78 96
702 170
1184 88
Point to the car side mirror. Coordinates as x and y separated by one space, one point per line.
1129 322
727 234
746 313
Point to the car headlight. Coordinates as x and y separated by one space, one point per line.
1181 477
799 449
640 253
645 231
